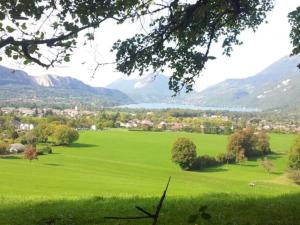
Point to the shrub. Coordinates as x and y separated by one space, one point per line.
45 150
64 135
294 155
262 143
245 143
226 158
30 153
267 165
184 153
204 161
14 135
3 148
294 175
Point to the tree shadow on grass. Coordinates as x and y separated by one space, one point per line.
10 157
213 170
53 164
223 208
82 145
247 165
275 156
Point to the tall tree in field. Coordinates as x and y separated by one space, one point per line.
179 34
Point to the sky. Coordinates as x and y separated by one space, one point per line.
269 43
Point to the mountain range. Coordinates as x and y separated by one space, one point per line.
276 87
19 88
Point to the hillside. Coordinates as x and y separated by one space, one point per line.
19 88
276 87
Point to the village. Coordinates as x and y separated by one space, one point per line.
146 120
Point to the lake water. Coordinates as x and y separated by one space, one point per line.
181 106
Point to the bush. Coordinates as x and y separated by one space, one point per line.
64 135
30 153
245 143
295 176
45 150
267 165
262 143
3 148
294 155
184 153
204 161
226 158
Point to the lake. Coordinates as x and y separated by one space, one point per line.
183 106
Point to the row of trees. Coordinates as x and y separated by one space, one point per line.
243 144
59 134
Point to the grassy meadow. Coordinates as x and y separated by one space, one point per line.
107 173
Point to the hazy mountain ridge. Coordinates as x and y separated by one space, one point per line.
17 87
275 87
150 89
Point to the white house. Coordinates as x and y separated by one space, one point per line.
26 126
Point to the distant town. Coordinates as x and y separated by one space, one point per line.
174 120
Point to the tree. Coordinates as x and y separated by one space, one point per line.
267 164
294 19
64 135
42 131
184 153
242 143
179 35
262 143
13 134
294 155
30 138
30 153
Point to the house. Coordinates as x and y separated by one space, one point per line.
26 126
93 127
162 125
16 148
147 123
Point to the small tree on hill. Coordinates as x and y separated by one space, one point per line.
64 135
30 153
245 143
262 143
241 143
294 154
42 131
267 164
184 153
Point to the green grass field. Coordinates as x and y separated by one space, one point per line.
108 172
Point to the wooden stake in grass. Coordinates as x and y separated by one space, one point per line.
154 216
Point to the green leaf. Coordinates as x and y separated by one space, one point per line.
67 58
23 26
10 29
2 16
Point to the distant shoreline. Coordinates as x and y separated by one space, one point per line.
183 106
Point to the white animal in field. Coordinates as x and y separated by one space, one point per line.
251 184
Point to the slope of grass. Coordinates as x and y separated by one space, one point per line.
122 167
122 163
